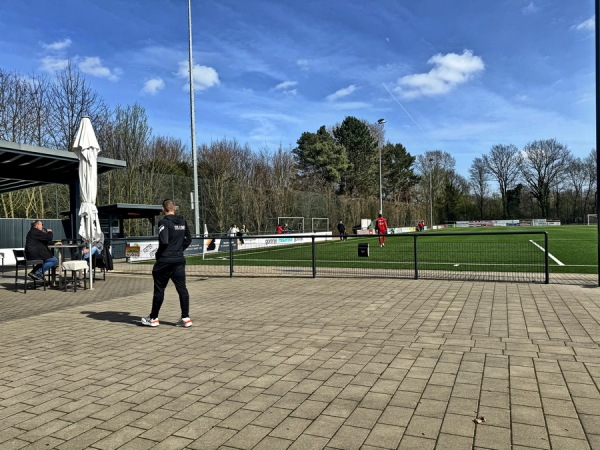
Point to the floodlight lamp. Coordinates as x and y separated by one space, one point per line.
381 121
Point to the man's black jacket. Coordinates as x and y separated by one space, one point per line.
173 238
36 244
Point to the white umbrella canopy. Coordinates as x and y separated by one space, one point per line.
86 147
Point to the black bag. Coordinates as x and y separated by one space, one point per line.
106 258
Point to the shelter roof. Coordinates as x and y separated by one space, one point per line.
23 166
130 211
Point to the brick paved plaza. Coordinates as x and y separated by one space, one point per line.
302 363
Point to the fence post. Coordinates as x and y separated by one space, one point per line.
416 253
314 257
546 253
230 257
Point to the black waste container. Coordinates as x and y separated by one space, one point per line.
363 249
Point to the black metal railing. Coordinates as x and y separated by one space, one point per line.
487 256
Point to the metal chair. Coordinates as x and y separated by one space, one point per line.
98 263
22 261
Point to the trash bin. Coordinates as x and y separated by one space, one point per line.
363 249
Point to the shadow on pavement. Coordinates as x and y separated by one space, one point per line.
119 317
114 316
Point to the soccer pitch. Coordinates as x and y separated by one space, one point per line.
572 249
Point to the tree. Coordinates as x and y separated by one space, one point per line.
591 191
23 119
127 138
454 196
70 98
542 165
503 164
434 167
321 160
513 201
398 173
361 148
23 108
577 189
217 169
478 180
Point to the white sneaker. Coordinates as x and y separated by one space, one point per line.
184 322
150 322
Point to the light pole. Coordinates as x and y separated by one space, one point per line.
380 122
430 194
196 204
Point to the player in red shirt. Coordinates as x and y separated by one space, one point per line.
381 227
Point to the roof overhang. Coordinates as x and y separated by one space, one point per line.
129 211
23 166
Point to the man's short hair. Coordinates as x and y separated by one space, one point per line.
169 205
35 222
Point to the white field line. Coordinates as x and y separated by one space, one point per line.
549 254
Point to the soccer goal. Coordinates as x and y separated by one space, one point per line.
294 224
319 224
592 219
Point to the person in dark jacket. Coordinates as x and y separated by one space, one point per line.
36 247
342 230
173 238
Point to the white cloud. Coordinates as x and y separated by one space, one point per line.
52 64
341 93
589 24
58 45
92 65
449 71
286 87
530 9
347 106
204 77
153 85
303 64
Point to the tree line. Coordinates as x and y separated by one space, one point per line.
333 172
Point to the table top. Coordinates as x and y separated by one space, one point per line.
66 246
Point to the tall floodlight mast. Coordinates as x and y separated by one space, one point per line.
193 125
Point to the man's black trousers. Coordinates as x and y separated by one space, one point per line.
162 273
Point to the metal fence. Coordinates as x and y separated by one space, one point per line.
518 256
14 231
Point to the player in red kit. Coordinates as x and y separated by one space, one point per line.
381 227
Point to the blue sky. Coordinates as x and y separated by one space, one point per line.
458 76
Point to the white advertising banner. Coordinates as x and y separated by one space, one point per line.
213 245
141 251
146 250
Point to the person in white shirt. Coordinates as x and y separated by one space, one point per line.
233 231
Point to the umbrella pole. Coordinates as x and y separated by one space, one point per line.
91 256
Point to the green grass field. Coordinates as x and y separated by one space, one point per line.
573 249
575 246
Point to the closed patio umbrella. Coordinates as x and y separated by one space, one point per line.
86 147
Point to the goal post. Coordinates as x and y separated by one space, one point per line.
592 219
319 224
295 224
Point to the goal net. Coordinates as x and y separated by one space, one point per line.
319 224
295 224
592 219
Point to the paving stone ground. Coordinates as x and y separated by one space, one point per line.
301 363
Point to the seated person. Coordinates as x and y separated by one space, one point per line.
36 247
97 247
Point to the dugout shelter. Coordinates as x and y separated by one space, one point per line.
24 166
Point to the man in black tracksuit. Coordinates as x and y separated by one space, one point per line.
173 238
